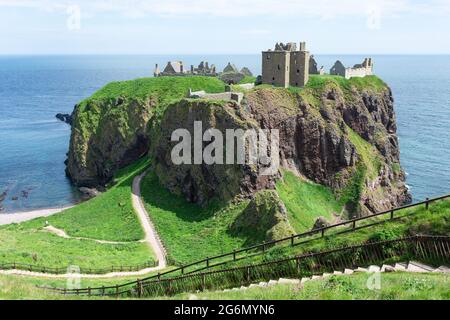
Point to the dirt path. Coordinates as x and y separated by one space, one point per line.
61 233
151 238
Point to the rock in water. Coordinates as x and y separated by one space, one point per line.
67 118
89 192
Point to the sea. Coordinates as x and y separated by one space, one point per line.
33 143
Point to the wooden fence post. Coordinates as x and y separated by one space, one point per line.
207 262
427 204
354 225
392 214
292 240
323 232
140 288
117 290
234 254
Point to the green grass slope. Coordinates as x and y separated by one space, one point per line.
305 201
188 231
393 286
109 216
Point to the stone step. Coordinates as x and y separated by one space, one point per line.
414 266
400 266
359 269
243 288
337 273
272 282
253 285
262 284
387 268
305 280
442 269
288 281
348 271
316 277
326 275
373 268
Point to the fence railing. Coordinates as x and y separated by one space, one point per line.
428 248
82 270
208 262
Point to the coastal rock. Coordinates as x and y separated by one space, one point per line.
64 117
3 196
89 192
266 216
320 223
107 135
340 134
200 183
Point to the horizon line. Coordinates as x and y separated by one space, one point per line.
211 54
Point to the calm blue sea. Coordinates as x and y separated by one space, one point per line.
33 143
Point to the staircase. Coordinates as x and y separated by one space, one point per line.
412 266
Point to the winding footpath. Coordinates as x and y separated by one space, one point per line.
151 238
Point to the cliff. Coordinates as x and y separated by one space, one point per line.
335 132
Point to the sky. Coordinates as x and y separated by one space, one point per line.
223 26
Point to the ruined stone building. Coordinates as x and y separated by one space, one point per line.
204 69
232 75
285 65
313 67
358 70
176 68
173 68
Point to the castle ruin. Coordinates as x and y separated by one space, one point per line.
358 70
285 65
176 68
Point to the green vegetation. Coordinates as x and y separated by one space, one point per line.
368 168
306 201
247 79
393 286
109 216
162 88
416 220
35 246
318 84
189 231
156 92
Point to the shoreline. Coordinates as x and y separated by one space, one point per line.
18 217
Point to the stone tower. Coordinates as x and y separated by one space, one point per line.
286 66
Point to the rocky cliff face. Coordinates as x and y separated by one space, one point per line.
336 132
107 135
343 137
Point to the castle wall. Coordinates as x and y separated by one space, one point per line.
299 68
275 66
357 72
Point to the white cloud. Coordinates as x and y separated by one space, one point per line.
232 8
322 9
